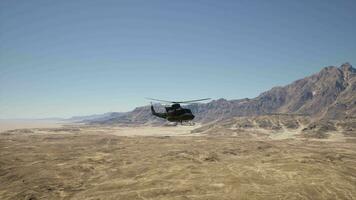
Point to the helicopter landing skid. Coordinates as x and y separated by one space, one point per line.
187 123
171 124
184 123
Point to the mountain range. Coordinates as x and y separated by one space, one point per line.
327 95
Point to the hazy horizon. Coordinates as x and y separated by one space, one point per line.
72 58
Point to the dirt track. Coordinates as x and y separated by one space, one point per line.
82 164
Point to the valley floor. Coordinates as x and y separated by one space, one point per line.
100 163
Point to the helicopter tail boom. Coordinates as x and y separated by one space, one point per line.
161 115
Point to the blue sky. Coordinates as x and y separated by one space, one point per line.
65 58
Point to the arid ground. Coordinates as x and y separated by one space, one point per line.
93 162
22 124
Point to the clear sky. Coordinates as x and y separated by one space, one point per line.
65 58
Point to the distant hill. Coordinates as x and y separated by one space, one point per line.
96 117
140 115
328 94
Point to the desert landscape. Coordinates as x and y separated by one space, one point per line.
292 142
182 162
177 100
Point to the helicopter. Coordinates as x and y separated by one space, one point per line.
175 113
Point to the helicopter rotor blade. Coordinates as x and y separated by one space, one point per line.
190 101
160 100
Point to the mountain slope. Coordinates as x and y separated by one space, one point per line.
331 94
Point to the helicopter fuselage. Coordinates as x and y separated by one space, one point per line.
180 115
175 113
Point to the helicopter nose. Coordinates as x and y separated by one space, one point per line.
192 117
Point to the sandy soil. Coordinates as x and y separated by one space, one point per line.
142 130
104 163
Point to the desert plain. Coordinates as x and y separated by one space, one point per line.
167 162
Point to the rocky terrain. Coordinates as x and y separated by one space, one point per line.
280 126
